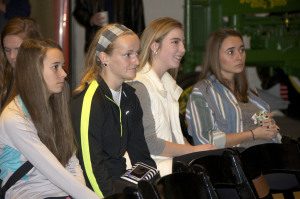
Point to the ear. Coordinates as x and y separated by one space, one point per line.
103 57
154 46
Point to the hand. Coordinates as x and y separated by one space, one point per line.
97 19
266 132
269 121
204 147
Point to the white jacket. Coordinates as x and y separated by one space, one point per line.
164 94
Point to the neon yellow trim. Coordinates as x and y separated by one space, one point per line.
84 134
295 83
120 114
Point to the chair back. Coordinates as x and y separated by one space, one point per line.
225 171
177 186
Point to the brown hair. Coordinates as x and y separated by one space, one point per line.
93 66
155 32
211 63
24 28
50 116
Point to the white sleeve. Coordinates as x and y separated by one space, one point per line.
23 134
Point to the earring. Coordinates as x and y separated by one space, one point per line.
155 52
105 64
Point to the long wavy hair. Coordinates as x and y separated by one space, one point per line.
156 31
93 67
24 28
50 115
211 63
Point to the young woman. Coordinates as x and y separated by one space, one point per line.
35 126
221 105
106 113
162 45
12 36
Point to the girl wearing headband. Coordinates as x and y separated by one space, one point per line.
106 113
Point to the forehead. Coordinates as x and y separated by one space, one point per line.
127 42
232 41
12 41
53 54
175 33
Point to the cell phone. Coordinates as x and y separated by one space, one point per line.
139 171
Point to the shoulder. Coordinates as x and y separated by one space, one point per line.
13 115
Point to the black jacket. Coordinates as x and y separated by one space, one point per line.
127 12
106 144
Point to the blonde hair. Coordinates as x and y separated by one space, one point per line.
155 32
93 66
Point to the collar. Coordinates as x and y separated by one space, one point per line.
163 85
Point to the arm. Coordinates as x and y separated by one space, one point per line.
74 167
137 147
93 160
203 125
24 136
166 148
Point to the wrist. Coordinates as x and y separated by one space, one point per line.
252 133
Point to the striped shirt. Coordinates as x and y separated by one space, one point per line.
212 111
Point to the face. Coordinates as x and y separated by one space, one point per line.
232 57
54 73
11 45
123 61
171 50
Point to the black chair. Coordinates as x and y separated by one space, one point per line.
224 172
124 196
177 186
273 158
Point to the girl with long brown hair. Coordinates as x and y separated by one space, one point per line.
35 126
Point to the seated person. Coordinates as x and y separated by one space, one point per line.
162 48
35 126
106 113
221 105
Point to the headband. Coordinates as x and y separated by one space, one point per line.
108 36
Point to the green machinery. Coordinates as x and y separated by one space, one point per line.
271 29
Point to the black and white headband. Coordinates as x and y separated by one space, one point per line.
108 36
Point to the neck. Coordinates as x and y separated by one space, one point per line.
111 81
159 69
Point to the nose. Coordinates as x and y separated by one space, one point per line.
13 54
63 73
182 48
136 60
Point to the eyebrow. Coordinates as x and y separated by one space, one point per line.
231 48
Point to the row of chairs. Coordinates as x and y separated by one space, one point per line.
207 177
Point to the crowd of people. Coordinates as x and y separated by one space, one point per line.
125 110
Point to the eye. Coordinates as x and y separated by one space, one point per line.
230 52
242 50
127 54
175 42
55 67
7 50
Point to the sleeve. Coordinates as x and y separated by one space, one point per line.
92 152
137 146
155 144
74 167
24 137
82 13
17 8
201 121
